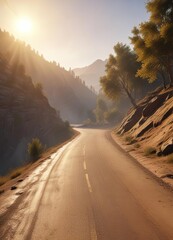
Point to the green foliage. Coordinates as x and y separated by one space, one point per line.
101 107
120 74
106 111
35 149
129 139
153 42
149 151
91 116
111 116
101 104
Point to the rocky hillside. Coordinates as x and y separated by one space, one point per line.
25 114
92 73
151 124
65 92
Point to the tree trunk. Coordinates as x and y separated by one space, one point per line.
163 79
132 100
171 77
170 73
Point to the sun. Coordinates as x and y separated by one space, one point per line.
24 25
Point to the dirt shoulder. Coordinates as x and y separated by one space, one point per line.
26 170
161 167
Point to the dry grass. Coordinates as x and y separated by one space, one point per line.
3 180
14 174
18 171
149 151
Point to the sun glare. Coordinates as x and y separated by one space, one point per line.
24 25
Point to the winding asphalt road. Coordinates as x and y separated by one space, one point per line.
89 190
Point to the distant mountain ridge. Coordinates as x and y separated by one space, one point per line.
91 74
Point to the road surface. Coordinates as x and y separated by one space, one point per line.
89 190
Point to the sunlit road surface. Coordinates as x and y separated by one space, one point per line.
90 190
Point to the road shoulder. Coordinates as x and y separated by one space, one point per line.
155 166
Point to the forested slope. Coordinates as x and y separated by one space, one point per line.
24 114
65 92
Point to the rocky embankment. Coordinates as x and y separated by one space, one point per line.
151 124
25 114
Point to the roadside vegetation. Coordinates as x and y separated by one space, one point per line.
148 151
13 174
131 72
144 70
35 149
106 112
153 43
129 139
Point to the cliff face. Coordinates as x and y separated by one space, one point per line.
25 114
151 124
65 92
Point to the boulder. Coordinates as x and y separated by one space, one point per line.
167 147
154 104
132 120
144 130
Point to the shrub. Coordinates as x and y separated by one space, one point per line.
111 116
149 151
129 139
35 149
137 145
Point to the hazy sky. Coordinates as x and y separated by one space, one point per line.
74 33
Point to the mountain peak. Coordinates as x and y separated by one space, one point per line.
91 74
